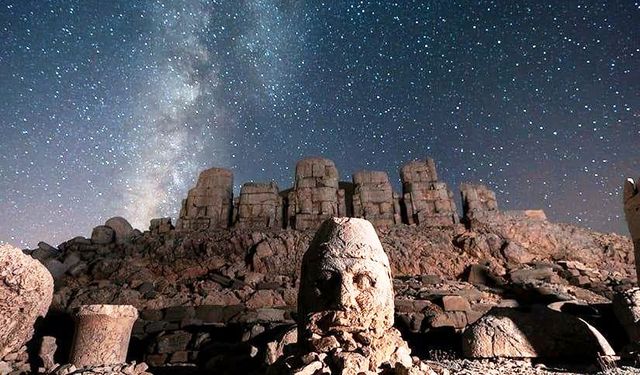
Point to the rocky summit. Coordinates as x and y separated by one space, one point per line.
327 277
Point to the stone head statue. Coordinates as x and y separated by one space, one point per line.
345 281
631 198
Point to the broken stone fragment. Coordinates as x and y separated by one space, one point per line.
47 351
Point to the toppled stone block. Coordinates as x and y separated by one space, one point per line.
455 303
173 342
179 313
26 290
45 251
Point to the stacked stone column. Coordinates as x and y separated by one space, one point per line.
259 206
373 198
210 203
478 201
315 196
427 201
102 334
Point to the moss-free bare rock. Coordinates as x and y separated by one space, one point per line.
541 332
26 289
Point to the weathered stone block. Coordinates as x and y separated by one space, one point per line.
173 342
455 303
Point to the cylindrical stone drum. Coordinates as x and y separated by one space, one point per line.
102 334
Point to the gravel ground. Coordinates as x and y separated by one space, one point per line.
520 367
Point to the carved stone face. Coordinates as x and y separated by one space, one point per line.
345 282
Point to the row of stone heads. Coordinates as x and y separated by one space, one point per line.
318 194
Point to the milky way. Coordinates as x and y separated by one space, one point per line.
112 108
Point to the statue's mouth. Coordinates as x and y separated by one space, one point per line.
336 321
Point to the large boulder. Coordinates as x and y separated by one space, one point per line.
26 289
541 332
121 228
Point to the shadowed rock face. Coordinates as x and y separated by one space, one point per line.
631 198
346 280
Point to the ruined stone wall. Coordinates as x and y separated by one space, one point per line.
318 194
427 201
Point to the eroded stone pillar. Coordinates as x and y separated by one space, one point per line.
477 200
102 334
373 198
427 201
210 203
316 195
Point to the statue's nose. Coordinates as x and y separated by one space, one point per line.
345 299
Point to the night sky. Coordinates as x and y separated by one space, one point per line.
113 107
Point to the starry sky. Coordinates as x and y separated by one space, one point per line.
113 107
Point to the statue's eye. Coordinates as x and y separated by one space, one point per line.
363 280
325 281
